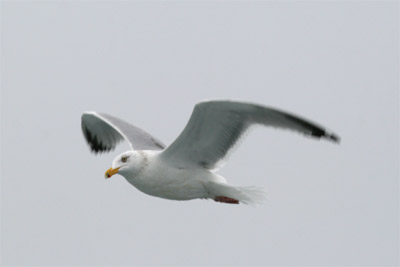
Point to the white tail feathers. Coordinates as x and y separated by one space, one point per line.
250 195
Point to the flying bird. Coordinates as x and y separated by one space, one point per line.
186 169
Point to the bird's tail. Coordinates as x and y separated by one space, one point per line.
226 193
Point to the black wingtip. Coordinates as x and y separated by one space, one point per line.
96 146
326 135
334 138
330 137
315 130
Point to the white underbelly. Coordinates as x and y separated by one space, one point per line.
173 184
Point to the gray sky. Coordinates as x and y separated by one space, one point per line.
336 63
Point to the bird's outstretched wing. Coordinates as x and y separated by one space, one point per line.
215 126
103 132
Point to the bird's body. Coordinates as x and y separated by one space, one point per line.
186 169
158 178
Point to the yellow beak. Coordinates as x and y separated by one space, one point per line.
110 172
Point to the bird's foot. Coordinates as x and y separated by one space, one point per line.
226 200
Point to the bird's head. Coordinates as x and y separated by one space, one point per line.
125 163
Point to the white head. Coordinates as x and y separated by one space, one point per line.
127 163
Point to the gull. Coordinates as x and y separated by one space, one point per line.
186 169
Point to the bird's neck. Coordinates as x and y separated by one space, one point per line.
143 162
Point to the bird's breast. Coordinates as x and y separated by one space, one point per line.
171 183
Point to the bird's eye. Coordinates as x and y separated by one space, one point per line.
124 158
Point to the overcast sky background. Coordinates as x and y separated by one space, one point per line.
149 63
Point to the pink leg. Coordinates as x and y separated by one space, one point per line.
226 200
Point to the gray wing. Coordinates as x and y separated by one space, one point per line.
103 132
216 126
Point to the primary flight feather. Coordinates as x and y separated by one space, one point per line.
185 169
